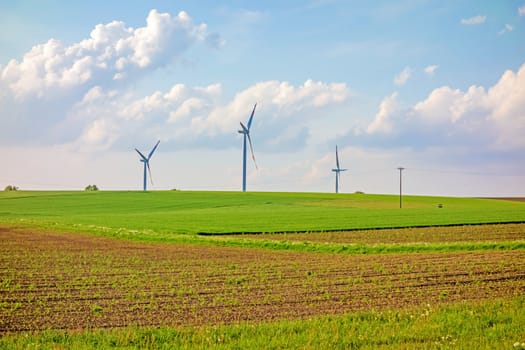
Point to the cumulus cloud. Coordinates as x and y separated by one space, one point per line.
383 120
430 70
403 76
49 95
473 20
492 119
112 49
196 116
521 10
72 95
77 94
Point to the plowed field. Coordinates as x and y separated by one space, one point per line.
448 234
73 281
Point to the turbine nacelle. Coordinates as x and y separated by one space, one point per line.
244 130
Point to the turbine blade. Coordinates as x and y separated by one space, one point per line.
141 155
153 150
251 149
251 117
150 177
336 157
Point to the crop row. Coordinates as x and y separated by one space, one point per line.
56 280
436 234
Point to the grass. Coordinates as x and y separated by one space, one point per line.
362 248
173 216
493 324
150 214
200 217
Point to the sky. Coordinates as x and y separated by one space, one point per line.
436 87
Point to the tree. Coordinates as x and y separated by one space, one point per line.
9 188
91 188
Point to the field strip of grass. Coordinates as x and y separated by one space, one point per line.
167 213
366 229
493 324
296 245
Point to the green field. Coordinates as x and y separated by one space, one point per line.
146 215
232 270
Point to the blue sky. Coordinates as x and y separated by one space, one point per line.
435 86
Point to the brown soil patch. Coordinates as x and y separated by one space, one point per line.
74 281
448 234
516 199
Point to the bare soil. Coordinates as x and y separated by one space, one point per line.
447 234
516 199
72 281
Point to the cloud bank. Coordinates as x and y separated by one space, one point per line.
38 92
198 117
113 51
480 119
82 94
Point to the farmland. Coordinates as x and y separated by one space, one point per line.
167 283
163 215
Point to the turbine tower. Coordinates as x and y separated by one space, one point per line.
245 130
337 171
145 160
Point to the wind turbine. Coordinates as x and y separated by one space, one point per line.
246 133
337 171
145 160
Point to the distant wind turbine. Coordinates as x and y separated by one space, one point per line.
337 171
246 133
145 160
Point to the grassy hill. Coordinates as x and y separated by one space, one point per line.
175 212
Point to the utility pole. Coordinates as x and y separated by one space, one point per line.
400 186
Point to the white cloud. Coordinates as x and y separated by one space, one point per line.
430 70
111 50
445 105
507 28
197 116
474 20
521 10
56 91
383 120
186 109
100 133
507 110
403 76
481 119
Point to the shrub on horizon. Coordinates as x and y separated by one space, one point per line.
91 188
